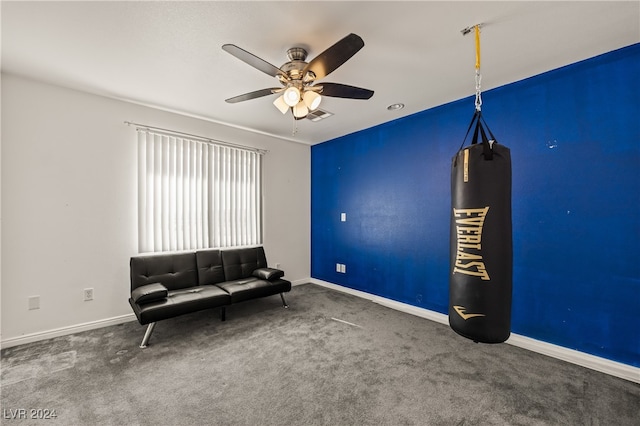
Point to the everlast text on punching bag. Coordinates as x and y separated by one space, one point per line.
481 248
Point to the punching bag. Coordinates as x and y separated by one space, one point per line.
481 246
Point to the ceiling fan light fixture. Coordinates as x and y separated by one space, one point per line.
281 104
312 99
291 96
300 110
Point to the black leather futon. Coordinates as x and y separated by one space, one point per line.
167 285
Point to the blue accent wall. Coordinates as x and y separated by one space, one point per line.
574 135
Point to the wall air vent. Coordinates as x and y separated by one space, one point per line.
318 114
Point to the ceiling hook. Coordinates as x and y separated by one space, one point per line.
467 30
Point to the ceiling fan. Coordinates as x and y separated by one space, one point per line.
299 92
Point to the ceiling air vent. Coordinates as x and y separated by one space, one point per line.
318 114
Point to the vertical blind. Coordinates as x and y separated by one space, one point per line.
194 194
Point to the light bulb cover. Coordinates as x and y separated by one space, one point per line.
300 110
291 96
281 104
312 99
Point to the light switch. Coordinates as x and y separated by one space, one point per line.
343 217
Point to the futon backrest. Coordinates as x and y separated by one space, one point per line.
210 269
174 271
240 263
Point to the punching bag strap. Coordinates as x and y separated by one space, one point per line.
480 133
493 138
476 116
487 150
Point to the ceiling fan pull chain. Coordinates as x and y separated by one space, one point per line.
295 125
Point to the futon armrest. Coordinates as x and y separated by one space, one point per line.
149 293
268 274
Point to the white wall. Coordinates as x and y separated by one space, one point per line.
69 202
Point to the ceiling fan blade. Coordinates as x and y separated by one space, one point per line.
252 60
336 55
337 90
253 95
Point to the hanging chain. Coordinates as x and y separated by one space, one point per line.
294 130
478 75
478 91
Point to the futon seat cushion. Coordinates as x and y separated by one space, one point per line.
250 288
246 288
180 302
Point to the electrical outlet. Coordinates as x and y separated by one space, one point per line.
88 294
337 267
278 266
343 268
33 302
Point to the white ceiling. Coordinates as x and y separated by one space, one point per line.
168 54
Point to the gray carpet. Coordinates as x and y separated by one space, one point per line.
330 359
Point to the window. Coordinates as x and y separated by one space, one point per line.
196 194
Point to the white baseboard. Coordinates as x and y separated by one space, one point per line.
63 331
593 362
300 282
603 365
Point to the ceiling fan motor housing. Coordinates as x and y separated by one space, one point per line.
295 66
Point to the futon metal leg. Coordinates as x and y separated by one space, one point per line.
147 335
284 302
223 314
